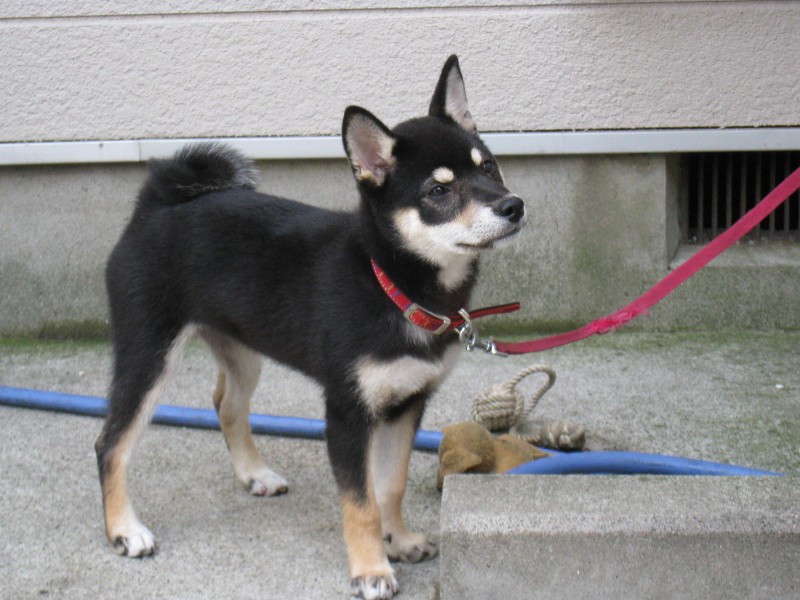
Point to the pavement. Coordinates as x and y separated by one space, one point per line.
723 396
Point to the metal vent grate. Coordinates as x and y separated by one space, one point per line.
721 186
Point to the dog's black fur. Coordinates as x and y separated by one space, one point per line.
294 282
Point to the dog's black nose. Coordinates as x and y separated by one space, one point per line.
511 208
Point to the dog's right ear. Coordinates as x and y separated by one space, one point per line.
369 145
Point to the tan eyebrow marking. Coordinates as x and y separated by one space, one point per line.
476 156
443 175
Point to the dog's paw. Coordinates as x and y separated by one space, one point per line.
135 542
410 547
266 482
374 587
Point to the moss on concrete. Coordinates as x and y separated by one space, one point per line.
43 346
75 330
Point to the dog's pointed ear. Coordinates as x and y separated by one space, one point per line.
369 145
450 97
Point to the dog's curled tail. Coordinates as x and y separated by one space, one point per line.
194 170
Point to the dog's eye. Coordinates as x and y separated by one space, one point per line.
487 166
438 191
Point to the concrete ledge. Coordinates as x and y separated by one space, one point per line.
620 537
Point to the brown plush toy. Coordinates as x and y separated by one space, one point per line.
471 448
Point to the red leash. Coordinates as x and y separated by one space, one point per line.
664 287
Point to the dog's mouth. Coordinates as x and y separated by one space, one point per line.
489 244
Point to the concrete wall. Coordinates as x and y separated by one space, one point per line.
598 236
603 228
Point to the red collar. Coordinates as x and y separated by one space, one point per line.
427 319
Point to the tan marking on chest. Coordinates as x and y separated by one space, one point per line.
383 383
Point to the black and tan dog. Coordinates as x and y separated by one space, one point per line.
256 275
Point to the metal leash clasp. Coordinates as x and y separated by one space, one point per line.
468 335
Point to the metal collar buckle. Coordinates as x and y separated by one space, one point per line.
468 335
414 307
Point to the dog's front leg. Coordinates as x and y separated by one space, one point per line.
347 436
389 452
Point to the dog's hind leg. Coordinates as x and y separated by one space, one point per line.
142 367
239 369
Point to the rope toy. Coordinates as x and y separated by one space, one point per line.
501 407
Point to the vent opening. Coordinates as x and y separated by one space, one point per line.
720 187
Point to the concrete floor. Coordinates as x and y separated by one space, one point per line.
728 397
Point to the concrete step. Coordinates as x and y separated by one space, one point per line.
620 537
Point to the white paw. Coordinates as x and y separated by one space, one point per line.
266 482
134 541
410 547
374 587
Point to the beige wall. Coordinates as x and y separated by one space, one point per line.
603 227
195 68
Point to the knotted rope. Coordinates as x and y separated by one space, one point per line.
501 407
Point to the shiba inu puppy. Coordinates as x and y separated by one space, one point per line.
253 275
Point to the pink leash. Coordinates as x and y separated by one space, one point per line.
664 287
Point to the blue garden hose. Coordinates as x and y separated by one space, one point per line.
559 463
628 463
184 416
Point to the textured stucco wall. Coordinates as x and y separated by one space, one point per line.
186 68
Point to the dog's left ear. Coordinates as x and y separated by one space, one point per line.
450 97
369 145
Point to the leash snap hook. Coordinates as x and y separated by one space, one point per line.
466 332
468 335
